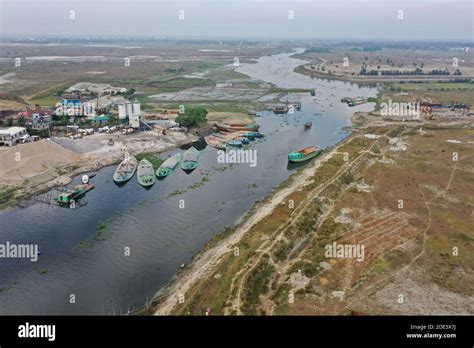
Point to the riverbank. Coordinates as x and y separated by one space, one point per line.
205 262
34 168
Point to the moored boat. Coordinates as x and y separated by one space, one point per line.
304 154
235 127
125 169
190 159
68 197
168 166
281 109
145 173
308 124
235 142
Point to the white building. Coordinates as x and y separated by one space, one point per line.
11 136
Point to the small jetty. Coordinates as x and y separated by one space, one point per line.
69 197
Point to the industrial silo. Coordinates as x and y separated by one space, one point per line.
122 113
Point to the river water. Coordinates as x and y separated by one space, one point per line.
152 224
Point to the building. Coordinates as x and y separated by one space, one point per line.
11 136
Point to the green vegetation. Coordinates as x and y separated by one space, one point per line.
152 158
7 194
192 116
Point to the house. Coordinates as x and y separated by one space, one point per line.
11 136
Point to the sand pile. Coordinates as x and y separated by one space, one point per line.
28 160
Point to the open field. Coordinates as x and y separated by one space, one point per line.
418 249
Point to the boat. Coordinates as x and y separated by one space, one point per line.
304 154
312 92
145 173
69 196
85 179
297 106
280 109
190 159
235 127
243 140
308 124
168 166
125 169
216 142
234 142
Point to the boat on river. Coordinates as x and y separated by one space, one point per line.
308 124
68 197
145 173
304 154
190 159
126 169
236 127
281 109
168 166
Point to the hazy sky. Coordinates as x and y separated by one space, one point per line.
267 19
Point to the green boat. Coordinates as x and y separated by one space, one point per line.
235 143
190 159
168 166
125 169
145 173
69 196
304 154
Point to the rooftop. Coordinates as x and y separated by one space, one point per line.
12 130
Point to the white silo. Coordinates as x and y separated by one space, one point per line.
129 109
136 108
134 121
122 112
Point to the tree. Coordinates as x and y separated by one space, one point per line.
192 116
21 121
10 122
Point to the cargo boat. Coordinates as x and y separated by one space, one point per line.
236 127
145 173
126 169
168 166
190 159
304 154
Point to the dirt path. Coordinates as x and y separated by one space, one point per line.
205 263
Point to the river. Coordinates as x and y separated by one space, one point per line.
158 231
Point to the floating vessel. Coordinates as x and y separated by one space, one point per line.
168 166
280 109
312 92
304 154
69 196
125 169
190 159
235 127
218 143
145 173
308 124
235 142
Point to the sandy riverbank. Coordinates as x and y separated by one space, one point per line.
33 168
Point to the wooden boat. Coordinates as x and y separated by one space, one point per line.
168 166
218 143
235 127
190 159
125 169
69 196
145 173
280 109
243 140
304 154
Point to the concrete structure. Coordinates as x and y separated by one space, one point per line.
11 136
